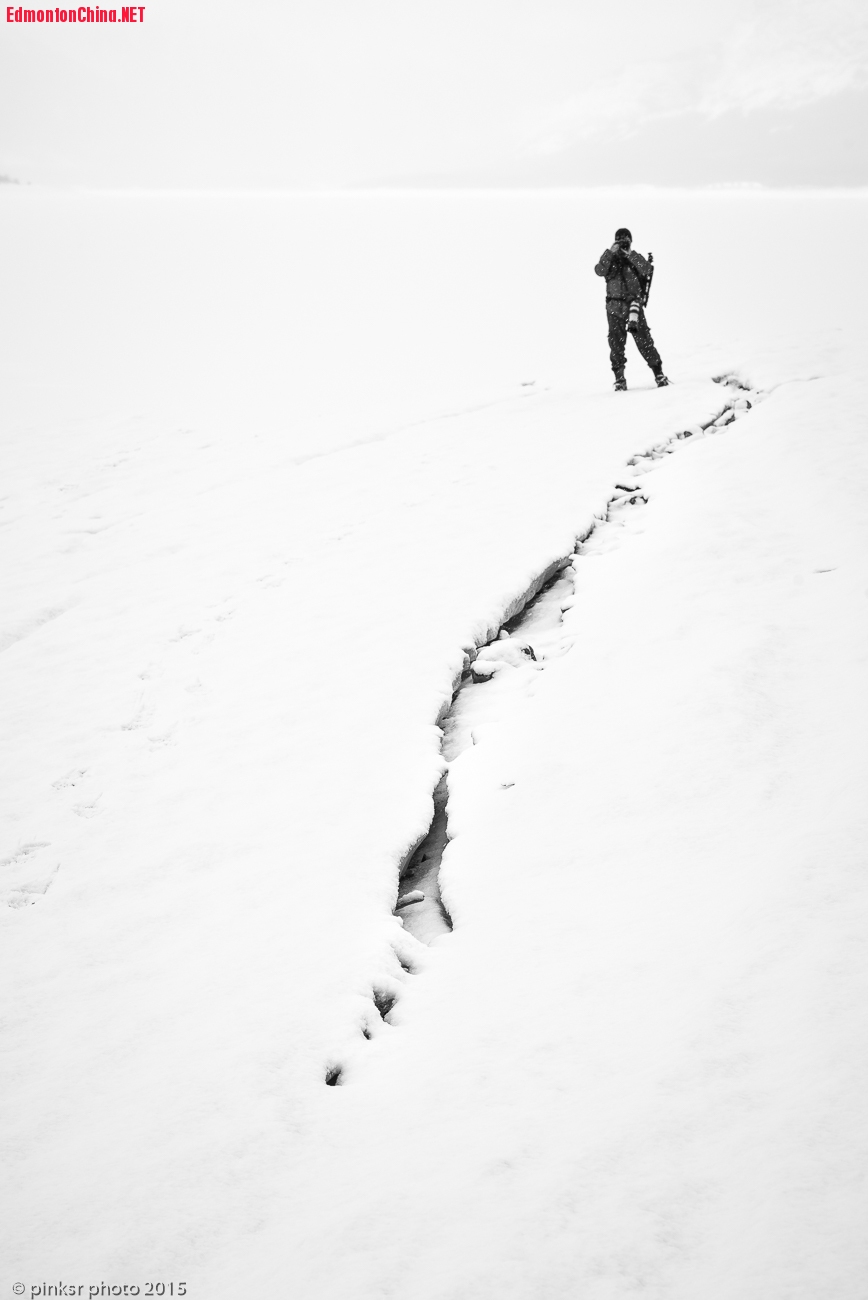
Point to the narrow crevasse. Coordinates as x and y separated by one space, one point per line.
531 629
529 636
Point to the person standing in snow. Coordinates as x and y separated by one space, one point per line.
626 274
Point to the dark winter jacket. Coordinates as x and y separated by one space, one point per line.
626 274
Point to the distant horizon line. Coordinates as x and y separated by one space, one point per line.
399 187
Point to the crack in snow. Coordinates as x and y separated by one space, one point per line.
537 612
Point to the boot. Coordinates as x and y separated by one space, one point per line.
661 380
620 384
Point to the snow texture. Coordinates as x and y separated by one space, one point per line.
274 469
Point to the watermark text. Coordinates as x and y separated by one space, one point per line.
98 1290
83 14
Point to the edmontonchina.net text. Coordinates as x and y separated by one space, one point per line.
83 14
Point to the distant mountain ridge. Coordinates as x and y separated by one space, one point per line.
819 144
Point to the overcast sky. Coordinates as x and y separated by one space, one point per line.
337 92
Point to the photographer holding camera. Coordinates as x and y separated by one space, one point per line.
627 274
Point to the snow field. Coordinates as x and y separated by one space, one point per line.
539 616
636 1064
240 770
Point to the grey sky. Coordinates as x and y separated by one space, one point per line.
334 92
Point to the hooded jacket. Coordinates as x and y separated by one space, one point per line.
626 274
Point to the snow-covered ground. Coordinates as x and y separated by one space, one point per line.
271 466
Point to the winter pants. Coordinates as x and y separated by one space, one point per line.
617 312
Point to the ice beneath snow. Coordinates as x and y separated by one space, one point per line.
272 466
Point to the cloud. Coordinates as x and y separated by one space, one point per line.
760 56
792 55
347 91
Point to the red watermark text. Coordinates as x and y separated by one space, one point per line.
83 14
